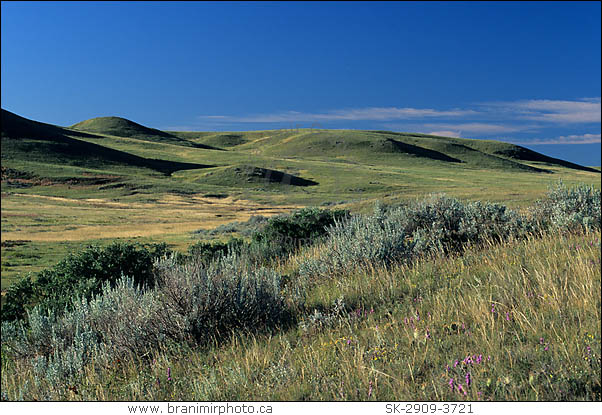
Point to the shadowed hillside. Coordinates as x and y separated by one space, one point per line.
245 175
28 140
522 153
497 149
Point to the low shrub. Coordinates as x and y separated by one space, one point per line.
284 234
300 228
199 303
82 274
572 209
205 252
120 321
437 224
359 241
441 223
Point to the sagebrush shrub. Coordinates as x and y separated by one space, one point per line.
440 223
359 241
199 302
436 224
120 321
576 208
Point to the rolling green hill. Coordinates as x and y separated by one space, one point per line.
31 141
383 147
250 176
121 127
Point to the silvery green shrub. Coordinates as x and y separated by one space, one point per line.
121 320
200 303
569 209
359 241
440 223
436 224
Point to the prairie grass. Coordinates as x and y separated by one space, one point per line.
513 321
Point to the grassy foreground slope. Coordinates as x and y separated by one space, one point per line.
518 321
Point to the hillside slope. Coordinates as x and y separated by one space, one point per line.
32 141
121 127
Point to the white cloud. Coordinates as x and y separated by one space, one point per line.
586 110
566 139
477 127
445 133
360 114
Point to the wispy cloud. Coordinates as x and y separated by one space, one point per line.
358 114
445 133
566 139
585 110
476 127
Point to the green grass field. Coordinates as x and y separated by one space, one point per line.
110 178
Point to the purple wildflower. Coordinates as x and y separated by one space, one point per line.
451 383
468 379
169 374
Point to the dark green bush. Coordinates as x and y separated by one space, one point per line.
286 233
19 297
205 252
82 275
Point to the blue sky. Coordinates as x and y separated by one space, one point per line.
522 72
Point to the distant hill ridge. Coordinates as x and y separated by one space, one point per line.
122 127
347 146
